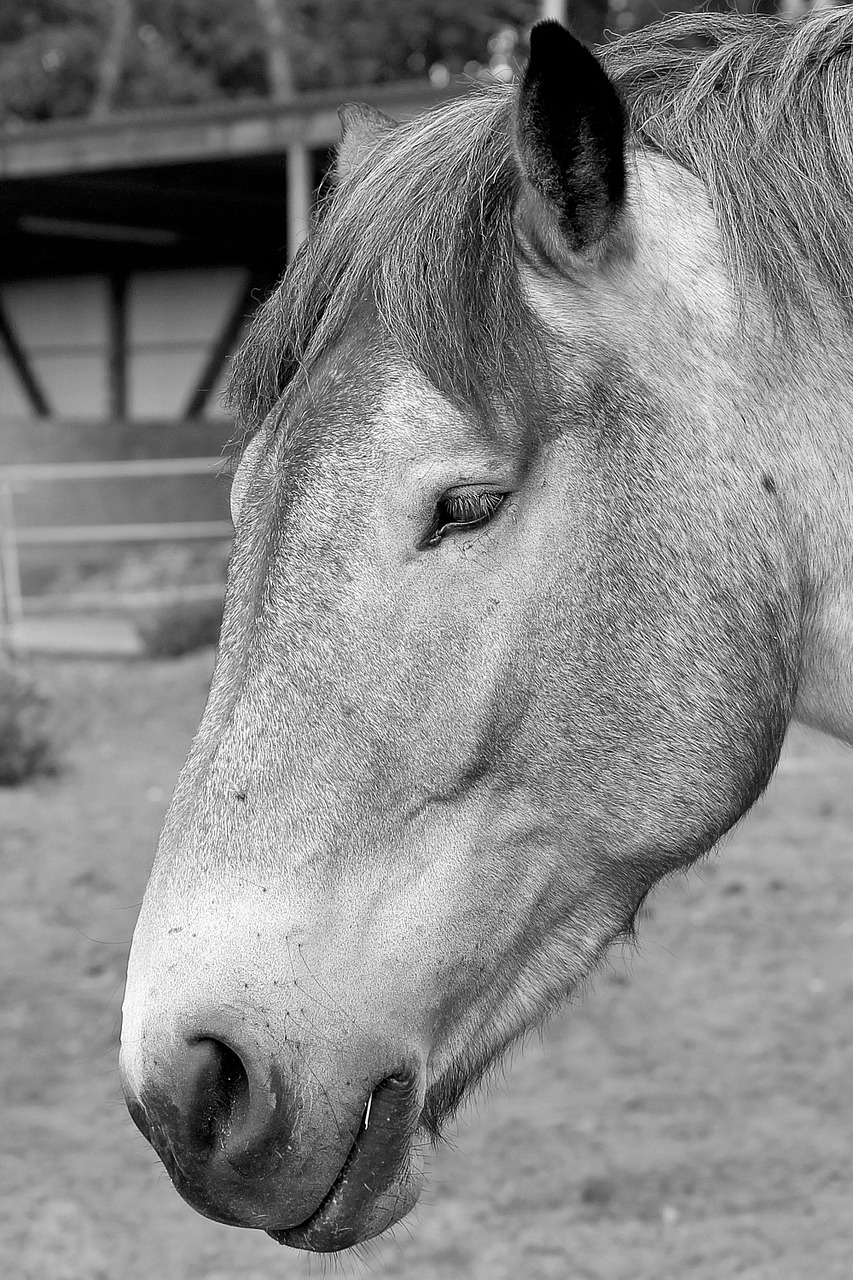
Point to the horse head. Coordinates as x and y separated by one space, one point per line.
513 629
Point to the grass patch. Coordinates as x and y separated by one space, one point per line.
26 728
176 629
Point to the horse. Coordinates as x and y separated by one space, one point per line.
542 540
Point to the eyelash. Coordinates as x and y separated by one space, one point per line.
463 511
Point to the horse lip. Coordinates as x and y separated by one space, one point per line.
298 1236
377 1184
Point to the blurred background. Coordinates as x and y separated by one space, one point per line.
158 164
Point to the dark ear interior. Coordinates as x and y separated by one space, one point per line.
570 132
362 130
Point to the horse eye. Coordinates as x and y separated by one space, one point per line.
463 509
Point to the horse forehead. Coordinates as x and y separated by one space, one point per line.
362 405
414 415
416 425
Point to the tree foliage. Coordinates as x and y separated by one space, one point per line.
181 51
27 729
55 55
49 52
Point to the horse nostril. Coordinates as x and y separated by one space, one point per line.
232 1105
255 1142
229 1090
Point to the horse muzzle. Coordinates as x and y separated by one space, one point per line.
320 1160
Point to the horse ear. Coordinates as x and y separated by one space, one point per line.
362 130
570 134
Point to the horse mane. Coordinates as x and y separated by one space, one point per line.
759 109
422 236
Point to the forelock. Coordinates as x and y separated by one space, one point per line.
419 241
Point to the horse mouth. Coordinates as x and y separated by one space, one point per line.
379 1182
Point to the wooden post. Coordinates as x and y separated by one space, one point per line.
279 64
19 362
11 602
553 9
258 284
117 347
298 196
113 58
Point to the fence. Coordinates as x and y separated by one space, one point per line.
16 479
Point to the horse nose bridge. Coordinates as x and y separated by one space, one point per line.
286 936
258 977
272 738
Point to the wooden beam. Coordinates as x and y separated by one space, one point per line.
26 474
182 530
19 362
117 346
207 132
249 299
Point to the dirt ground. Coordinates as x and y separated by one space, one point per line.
689 1119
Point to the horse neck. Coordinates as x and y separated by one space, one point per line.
792 402
803 401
